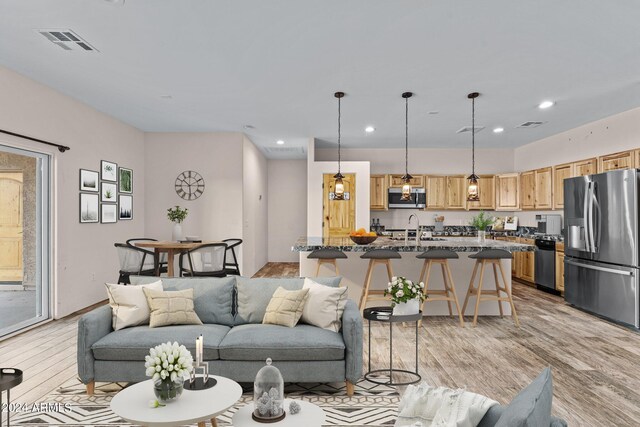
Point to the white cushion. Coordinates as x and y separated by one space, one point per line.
129 305
324 306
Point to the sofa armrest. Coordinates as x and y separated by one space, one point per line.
352 336
91 327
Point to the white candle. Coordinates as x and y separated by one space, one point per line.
198 350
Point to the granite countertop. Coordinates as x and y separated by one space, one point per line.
459 244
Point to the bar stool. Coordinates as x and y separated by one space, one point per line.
440 256
493 257
376 256
327 256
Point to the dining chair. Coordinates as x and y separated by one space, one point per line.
232 268
162 260
134 261
207 260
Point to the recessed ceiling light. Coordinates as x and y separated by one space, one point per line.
498 130
166 96
248 127
433 112
280 142
546 104
369 129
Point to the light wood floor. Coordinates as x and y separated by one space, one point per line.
596 369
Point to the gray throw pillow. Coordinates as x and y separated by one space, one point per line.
532 406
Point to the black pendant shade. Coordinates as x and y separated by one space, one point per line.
473 194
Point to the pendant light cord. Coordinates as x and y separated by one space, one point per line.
406 136
339 130
473 136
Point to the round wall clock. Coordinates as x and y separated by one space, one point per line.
189 185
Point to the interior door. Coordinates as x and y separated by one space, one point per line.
11 226
338 216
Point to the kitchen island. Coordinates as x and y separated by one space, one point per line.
353 269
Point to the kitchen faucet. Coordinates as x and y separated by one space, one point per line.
406 231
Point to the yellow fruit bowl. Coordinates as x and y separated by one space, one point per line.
363 240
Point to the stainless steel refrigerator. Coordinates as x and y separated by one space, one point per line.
601 244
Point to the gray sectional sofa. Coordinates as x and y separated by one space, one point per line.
236 343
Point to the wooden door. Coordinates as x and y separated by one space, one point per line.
11 264
544 188
585 167
528 190
338 216
436 191
378 193
395 181
611 162
507 192
560 173
487 193
456 197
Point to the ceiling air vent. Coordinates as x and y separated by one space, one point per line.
284 150
528 125
67 40
468 129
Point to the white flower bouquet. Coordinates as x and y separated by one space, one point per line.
168 364
403 290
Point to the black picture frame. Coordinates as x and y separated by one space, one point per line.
109 207
125 207
108 171
89 208
108 188
84 176
122 180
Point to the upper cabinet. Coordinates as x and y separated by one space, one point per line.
560 173
487 193
436 191
544 188
456 197
378 192
611 162
528 190
395 181
585 167
508 192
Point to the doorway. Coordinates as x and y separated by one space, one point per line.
338 216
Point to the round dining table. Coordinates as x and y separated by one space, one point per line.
171 249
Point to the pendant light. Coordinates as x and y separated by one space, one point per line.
472 180
338 187
406 179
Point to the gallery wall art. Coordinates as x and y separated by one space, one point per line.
106 196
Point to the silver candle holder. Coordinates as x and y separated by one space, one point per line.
203 382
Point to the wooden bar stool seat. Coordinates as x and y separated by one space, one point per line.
376 256
327 256
448 294
493 257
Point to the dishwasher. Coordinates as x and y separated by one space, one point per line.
545 265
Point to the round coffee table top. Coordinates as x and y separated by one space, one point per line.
310 415
132 404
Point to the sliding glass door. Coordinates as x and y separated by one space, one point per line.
24 239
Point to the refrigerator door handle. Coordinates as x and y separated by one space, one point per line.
598 268
585 215
592 201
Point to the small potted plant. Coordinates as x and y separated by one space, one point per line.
177 215
480 222
406 296
168 364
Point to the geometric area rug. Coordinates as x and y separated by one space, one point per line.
372 405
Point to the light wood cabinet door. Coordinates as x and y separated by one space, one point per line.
508 192
636 158
456 195
487 193
395 181
516 258
436 191
585 167
528 262
544 188
611 162
560 173
528 190
560 272
378 193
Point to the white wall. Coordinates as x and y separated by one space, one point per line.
84 254
287 207
254 208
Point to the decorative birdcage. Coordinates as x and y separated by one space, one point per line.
268 394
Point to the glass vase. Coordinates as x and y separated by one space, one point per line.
482 236
167 391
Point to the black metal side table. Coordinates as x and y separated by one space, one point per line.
385 314
9 378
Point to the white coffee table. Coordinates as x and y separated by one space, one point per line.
310 415
132 404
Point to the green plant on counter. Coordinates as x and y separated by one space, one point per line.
481 221
177 214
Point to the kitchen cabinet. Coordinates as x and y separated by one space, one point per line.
527 262
487 193
378 193
560 267
395 181
636 157
560 173
611 162
436 191
508 192
585 167
528 190
515 272
544 188
456 197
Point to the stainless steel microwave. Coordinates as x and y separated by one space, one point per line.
418 199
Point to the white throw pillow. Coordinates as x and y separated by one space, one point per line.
324 306
129 305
